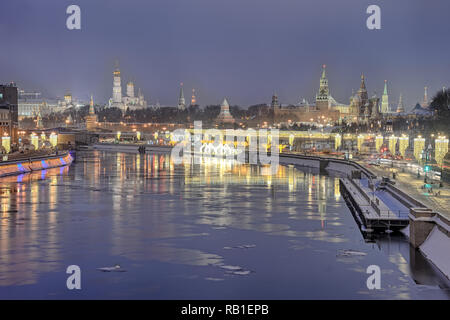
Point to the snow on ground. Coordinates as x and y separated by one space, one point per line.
437 249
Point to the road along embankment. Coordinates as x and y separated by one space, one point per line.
25 165
130 147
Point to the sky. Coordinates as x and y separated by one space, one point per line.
244 50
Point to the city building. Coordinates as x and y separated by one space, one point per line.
129 101
225 116
326 109
9 119
275 104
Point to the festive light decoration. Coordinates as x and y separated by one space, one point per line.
360 141
53 139
392 143
138 135
337 141
403 144
419 146
35 141
118 135
379 142
6 143
440 149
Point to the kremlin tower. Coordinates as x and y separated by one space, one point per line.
425 98
181 100
91 118
385 100
193 98
322 98
400 108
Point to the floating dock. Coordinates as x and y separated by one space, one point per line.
375 209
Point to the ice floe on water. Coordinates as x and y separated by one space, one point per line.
244 246
235 270
350 253
116 268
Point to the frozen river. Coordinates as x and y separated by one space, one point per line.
218 230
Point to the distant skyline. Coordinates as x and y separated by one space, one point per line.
244 50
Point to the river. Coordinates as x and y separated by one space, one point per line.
216 230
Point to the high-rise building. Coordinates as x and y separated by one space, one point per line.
322 98
385 100
9 120
181 100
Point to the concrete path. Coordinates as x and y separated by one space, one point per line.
410 184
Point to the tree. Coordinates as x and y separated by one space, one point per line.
441 104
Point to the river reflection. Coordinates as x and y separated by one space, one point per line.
211 230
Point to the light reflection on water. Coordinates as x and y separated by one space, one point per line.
214 230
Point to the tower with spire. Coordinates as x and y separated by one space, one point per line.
117 87
323 97
181 100
275 104
91 118
425 98
39 124
362 93
385 100
400 107
193 98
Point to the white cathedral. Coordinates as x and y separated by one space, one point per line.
130 100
